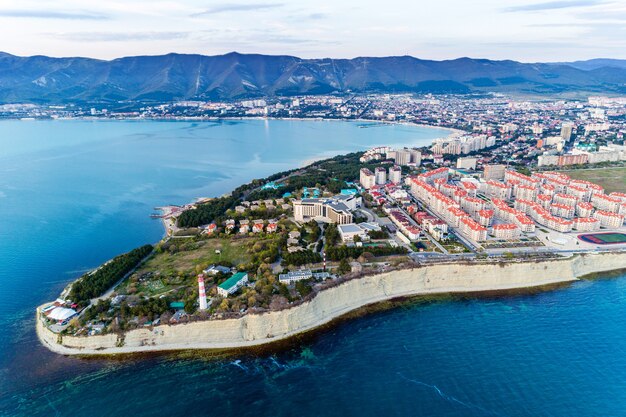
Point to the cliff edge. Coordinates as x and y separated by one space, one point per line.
257 329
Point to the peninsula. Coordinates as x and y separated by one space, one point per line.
284 255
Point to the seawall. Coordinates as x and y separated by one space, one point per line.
257 329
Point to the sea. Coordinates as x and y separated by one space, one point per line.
74 193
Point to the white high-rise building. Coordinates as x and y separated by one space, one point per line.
381 175
407 156
466 163
367 178
416 156
403 157
566 131
395 174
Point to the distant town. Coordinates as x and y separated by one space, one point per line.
539 133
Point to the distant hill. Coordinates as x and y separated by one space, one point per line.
598 63
176 76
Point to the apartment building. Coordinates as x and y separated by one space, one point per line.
506 231
367 178
609 219
395 174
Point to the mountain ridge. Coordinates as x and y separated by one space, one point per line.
175 76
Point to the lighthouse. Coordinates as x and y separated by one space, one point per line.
201 293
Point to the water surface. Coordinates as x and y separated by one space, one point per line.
73 194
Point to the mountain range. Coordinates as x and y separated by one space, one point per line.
41 79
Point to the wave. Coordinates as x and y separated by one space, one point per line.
451 398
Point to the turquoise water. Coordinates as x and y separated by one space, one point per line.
74 194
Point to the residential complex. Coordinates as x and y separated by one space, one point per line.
501 204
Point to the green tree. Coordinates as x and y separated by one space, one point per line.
304 287
344 266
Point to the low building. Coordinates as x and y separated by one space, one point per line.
257 227
62 315
232 284
216 269
210 229
292 277
350 231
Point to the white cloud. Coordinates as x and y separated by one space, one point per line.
526 30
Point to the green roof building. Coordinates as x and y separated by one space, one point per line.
232 284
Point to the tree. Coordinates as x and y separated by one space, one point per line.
332 235
304 287
95 283
190 305
344 266
224 305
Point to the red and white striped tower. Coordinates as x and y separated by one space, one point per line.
201 293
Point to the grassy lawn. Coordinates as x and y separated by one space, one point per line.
612 179
152 288
167 263
168 271
455 247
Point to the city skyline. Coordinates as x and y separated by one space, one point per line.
524 31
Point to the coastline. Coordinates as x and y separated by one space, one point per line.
255 330
453 131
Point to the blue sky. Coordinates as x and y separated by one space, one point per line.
498 29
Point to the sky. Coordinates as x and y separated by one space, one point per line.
521 30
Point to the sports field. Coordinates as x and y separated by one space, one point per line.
603 238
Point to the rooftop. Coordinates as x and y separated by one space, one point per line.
232 281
